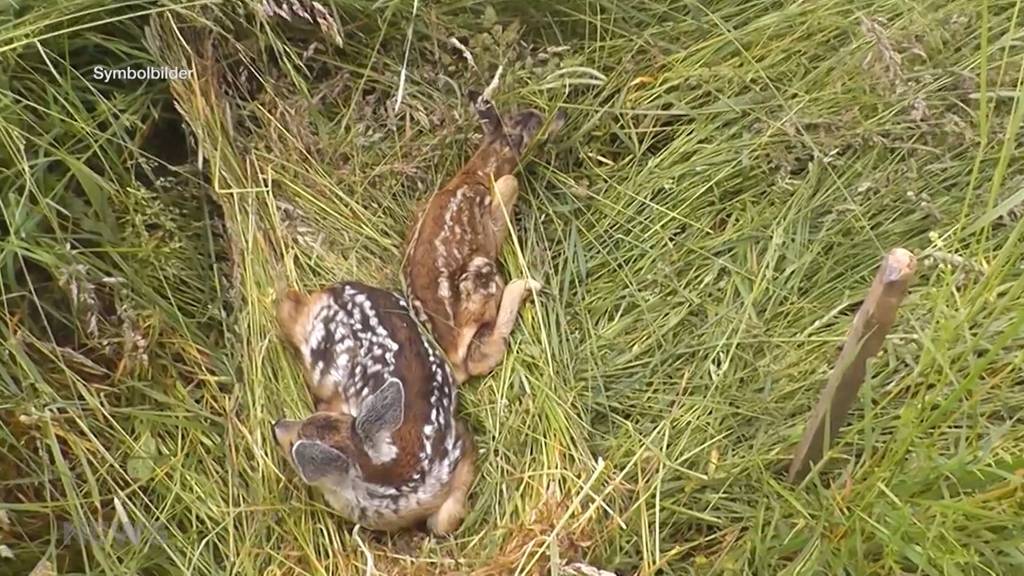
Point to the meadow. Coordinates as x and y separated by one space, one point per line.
705 227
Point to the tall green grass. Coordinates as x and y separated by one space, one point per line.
705 227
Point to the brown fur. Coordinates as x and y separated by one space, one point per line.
450 270
452 510
443 514
333 425
293 310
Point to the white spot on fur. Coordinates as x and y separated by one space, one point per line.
450 247
382 449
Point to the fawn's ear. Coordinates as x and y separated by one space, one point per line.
382 412
316 461
485 112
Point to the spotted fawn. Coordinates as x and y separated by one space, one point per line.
384 446
450 271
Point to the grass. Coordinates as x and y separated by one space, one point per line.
705 228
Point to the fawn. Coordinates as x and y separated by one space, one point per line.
384 446
450 271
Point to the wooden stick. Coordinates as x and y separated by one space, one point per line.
864 341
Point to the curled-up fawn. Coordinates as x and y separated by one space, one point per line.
451 271
384 446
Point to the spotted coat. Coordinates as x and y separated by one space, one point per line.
358 338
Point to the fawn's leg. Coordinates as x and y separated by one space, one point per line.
503 203
453 510
488 347
480 288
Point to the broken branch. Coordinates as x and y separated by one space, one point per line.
864 340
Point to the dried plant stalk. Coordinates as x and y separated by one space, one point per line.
864 341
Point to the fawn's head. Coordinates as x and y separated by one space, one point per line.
506 139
